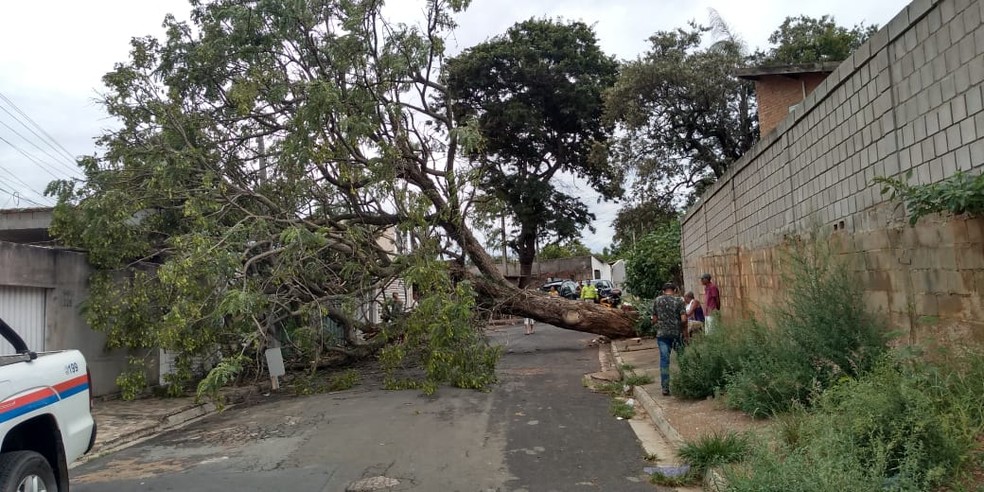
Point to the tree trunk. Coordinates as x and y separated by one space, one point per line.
587 317
563 313
527 254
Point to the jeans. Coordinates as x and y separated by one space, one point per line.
666 344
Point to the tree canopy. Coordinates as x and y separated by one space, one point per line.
806 39
684 115
655 260
274 163
536 94
569 249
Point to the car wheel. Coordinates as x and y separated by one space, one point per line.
26 471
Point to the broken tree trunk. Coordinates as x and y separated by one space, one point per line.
563 313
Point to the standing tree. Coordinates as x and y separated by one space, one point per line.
804 39
685 116
536 95
267 154
569 249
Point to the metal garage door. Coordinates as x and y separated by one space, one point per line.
23 309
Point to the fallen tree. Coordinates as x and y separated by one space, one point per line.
281 163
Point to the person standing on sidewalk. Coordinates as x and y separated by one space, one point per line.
669 317
712 303
695 316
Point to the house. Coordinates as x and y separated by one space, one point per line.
575 268
42 288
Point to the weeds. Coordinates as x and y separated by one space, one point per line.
715 449
689 478
344 380
638 380
613 388
820 334
622 409
906 425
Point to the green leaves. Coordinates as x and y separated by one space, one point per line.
534 95
653 261
961 193
806 39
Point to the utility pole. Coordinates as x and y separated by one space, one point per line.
505 266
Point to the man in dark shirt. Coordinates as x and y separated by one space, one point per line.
712 303
669 317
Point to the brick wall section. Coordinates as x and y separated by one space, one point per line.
909 99
776 93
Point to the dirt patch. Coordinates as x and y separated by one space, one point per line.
134 469
695 418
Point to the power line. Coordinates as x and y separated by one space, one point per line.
30 157
51 140
19 180
17 196
71 170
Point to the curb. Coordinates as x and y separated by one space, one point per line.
713 481
655 411
174 420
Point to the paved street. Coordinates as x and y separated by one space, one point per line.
538 430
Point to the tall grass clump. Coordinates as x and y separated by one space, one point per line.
907 425
818 332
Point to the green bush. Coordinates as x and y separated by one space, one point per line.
906 426
820 332
961 193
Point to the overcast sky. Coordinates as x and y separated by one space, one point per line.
56 51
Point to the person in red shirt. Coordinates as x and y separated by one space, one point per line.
712 303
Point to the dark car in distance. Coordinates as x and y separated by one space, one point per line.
566 288
605 287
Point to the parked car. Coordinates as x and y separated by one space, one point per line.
607 292
604 287
45 416
566 288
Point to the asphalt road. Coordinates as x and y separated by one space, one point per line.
538 430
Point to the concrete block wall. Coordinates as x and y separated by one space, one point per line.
910 99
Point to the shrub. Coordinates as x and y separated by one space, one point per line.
706 363
961 193
907 425
820 332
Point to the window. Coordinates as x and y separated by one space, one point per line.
597 274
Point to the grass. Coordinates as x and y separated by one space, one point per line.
714 450
690 478
638 380
622 409
612 388
344 380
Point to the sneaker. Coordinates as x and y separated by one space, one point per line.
666 392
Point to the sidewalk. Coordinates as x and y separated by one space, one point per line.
122 423
676 419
